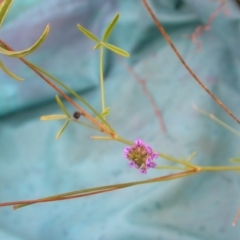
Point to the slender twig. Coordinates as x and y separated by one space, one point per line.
194 169
143 84
84 193
223 124
169 41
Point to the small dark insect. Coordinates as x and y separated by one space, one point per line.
77 115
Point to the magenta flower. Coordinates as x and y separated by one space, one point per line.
140 156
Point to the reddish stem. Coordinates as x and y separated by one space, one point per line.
84 113
169 41
152 101
107 189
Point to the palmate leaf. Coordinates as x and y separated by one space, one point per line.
116 49
4 7
2 66
105 37
110 27
28 50
87 33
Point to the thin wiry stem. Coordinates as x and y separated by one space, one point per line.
92 191
102 79
169 41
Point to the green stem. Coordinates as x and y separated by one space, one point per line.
91 191
218 168
223 124
101 138
172 159
84 124
170 168
73 93
123 140
102 79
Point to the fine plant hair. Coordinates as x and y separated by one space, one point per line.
138 153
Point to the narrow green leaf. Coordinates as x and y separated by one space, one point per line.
116 49
87 33
2 66
110 27
4 7
105 112
74 94
97 46
101 138
53 117
190 158
233 160
28 50
62 129
60 104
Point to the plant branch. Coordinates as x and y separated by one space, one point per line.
93 191
169 41
84 113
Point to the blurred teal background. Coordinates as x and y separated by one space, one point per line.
33 164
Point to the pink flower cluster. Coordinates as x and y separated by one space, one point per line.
140 156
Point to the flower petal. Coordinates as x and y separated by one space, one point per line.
139 142
149 149
152 165
132 164
143 170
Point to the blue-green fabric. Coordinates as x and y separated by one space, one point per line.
33 164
